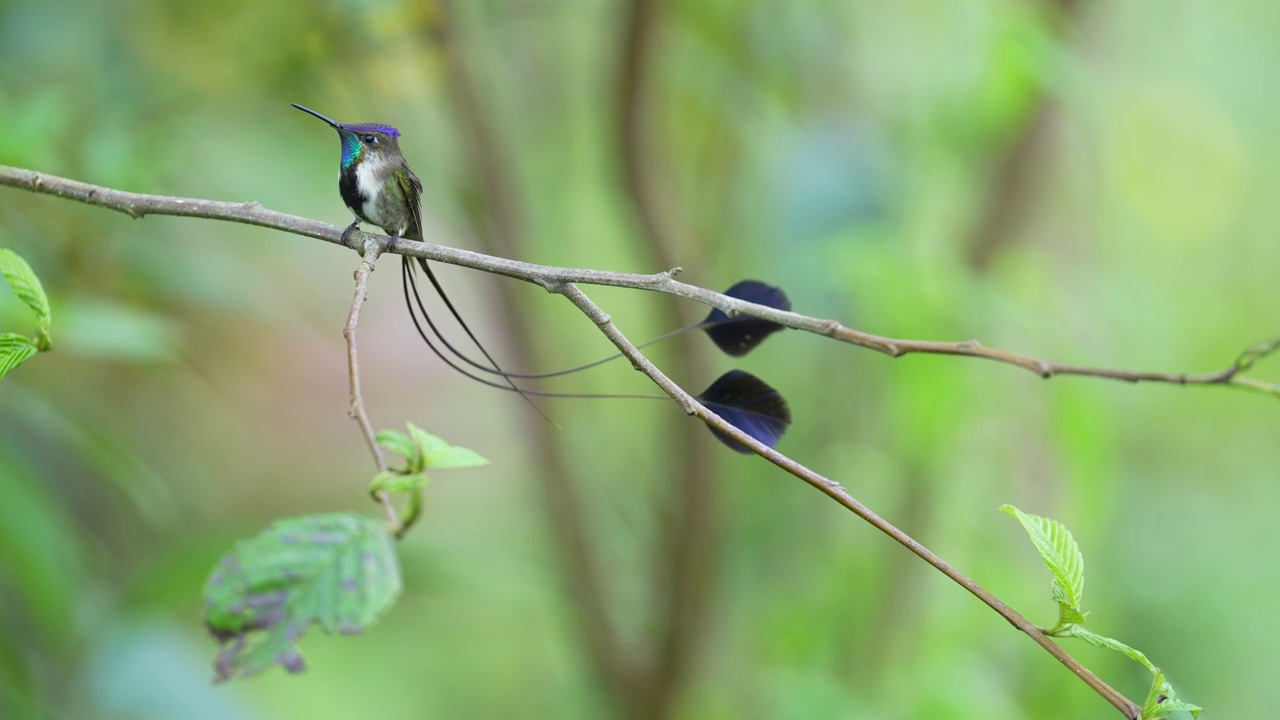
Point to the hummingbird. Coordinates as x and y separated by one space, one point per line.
378 188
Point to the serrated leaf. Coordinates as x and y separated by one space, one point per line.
451 457
1067 615
15 349
1162 700
1060 553
22 279
1103 641
339 571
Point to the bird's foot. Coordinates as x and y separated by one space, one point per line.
391 244
346 234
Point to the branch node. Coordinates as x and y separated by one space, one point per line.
969 346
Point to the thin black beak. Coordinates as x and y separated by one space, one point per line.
309 111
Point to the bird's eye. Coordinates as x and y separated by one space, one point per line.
371 139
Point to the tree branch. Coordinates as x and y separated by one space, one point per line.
138 205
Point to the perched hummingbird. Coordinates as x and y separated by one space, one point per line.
378 187
376 183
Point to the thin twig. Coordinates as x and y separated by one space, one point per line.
370 256
833 490
139 205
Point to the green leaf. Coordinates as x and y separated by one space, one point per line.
422 450
398 442
1061 555
339 571
392 481
412 511
27 287
15 349
427 443
1103 641
1162 700
1256 352
450 457
1067 615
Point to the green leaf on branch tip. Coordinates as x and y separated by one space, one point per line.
423 451
398 442
1255 353
1067 615
1162 700
15 349
427 443
22 279
1061 554
451 458
339 571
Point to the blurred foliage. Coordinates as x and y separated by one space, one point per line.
841 150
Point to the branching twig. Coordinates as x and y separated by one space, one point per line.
139 205
564 281
833 490
371 252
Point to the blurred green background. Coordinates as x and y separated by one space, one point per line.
1088 182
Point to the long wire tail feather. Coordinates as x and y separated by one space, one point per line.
407 270
410 299
493 369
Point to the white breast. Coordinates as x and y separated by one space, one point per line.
367 179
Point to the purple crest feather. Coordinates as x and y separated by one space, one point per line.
372 127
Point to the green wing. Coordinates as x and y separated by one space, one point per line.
411 186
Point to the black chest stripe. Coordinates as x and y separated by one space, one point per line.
351 193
